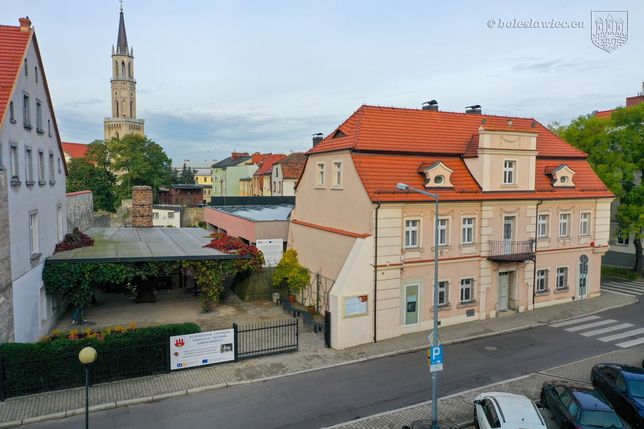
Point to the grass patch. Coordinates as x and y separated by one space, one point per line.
622 273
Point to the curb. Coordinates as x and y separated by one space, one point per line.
204 389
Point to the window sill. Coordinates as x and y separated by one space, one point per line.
441 307
464 245
40 131
15 182
42 183
337 188
30 183
542 292
319 187
562 289
466 304
13 121
543 238
27 126
52 182
509 185
35 257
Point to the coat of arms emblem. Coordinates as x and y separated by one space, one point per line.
609 29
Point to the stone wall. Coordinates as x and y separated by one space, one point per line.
80 210
142 207
191 216
6 292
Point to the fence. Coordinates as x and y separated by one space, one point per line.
267 338
317 292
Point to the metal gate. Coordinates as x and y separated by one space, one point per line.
268 338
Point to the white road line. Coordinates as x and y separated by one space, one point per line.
622 290
621 335
590 325
631 343
607 330
641 284
574 321
625 286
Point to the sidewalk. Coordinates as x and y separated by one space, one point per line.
312 356
456 410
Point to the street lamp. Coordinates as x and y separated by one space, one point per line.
87 356
435 340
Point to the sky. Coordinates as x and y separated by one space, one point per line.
216 76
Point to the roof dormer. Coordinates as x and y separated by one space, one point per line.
437 175
561 176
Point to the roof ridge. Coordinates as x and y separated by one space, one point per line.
373 106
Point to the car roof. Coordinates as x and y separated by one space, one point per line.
590 399
516 408
629 372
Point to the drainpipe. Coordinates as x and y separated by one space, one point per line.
534 260
375 275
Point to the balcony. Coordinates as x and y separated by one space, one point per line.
511 251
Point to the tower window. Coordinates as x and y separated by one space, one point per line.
129 69
131 110
117 108
123 69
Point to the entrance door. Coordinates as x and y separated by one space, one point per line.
508 228
583 275
504 287
411 304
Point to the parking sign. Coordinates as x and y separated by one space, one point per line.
435 355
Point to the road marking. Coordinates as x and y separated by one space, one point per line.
622 290
631 343
619 336
574 321
590 325
632 287
606 330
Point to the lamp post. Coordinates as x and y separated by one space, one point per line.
435 340
87 356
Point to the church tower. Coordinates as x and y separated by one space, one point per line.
123 120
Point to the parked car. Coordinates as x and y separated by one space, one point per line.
500 410
579 407
623 386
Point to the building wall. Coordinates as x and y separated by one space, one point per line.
166 217
6 291
32 316
218 177
288 187
80 210
232 176
191 216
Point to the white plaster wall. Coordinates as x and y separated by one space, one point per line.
163 219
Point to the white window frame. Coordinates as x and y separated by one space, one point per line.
15 162
445 289
29 166
337 174
584 225
170 215
26 110
621 240
465 228
545 224
541 284
565 278
509 172
34 241
320 174
39 127
41 167
463 287
444 228
410 229
52 171
568 218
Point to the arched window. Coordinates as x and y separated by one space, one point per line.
123 69
131 109
116 103
129 69
116 69
123 109
583 275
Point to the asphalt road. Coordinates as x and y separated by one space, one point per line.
336 395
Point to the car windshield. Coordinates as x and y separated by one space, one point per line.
602 419
636 388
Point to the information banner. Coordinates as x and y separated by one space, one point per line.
204 348
355 305
272 250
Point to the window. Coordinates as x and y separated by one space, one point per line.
542 225
36 74
443 293
439 180
337 173
562 278
26 67
26 115
12 117
467 290
60 170
156 215
320 175
542 280
33 234
508 172
622 240
584 224
411 233
52 172
29 167
49 127
15 170
170 215
442 231
467 235
41 168
39 128
563 179
564 225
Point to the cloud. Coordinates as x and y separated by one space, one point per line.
556 66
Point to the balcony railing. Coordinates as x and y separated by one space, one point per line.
511 251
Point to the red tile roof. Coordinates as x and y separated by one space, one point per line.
604 114
266 165
13 48
75 150
419 131
293 165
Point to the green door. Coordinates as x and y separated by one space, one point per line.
411 304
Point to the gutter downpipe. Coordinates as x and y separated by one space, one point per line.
375 275
534 260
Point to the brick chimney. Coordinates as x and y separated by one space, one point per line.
25 23
637 99
141 207
237 155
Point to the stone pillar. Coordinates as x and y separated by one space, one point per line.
141 207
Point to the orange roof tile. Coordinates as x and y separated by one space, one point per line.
419 131
75 150
604 114
266 165
13 47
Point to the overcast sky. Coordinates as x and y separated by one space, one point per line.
214 76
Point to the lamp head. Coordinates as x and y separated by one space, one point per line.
402 186
87 355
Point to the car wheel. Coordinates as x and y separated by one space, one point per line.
476 419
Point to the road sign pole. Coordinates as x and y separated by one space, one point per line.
435 336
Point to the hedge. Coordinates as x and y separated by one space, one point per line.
43 366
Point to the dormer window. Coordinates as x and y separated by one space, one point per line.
437 175
509 172
562 176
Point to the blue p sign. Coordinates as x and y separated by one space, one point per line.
436 356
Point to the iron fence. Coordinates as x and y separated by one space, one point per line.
267 338
509 248
317 292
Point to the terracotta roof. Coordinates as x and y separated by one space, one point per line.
75 150
293 165
418 131
13 47
604 114
381 172
266 165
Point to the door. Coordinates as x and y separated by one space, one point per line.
503 293
583 275
411 304
508 229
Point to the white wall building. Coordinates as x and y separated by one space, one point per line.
166 215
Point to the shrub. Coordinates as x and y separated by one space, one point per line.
53 364
290 272
74 240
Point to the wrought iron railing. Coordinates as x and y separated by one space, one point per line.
511 248
267 338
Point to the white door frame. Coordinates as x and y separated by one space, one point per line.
507 275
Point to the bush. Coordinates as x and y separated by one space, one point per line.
289 272
53 364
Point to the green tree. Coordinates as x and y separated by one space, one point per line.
137 160
92 173
615 148
187 176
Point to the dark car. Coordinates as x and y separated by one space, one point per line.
623 386
579 407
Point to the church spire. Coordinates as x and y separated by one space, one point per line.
121 44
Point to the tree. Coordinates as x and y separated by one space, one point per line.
186 177
137 160
92 173
615 147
